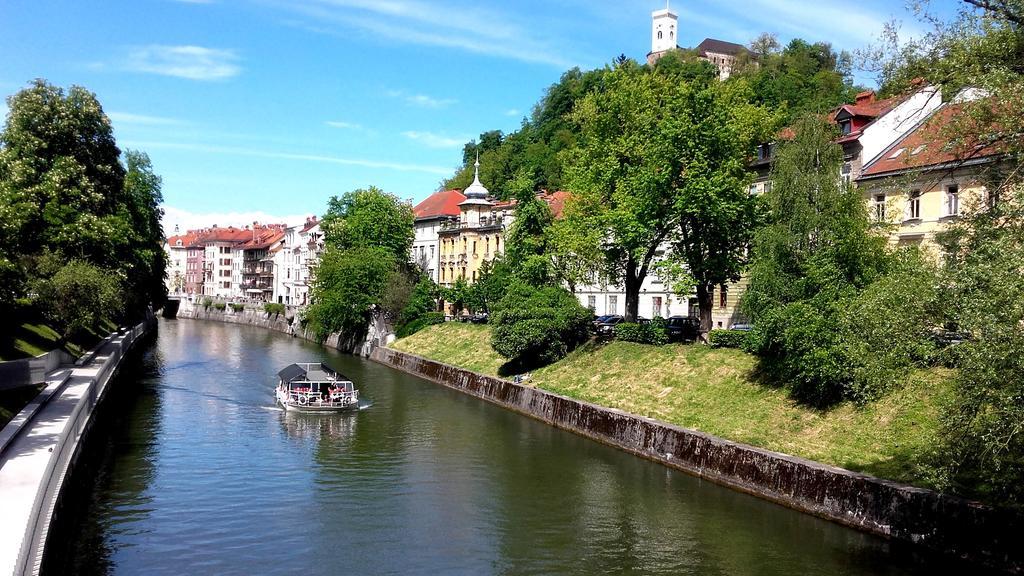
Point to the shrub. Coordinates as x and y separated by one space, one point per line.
220 306
78 296
420 323
237 307
642 333
273 308
207 303
727 338
538 325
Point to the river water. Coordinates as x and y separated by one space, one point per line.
195 471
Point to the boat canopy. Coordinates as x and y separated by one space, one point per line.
317 372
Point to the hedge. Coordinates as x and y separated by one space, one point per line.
219 306
720 338
273 308
642 333
237 307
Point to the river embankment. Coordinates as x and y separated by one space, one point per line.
40 447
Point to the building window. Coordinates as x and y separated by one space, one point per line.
846 126
845 173
723 296
659 34
656 307
952 200
914 205
879 210
592 302
613 304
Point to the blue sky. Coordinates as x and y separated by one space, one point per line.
258 109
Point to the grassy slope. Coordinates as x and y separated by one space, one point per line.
713 390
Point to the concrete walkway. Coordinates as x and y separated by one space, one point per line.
39 445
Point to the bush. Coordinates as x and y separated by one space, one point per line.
727 338
641 333
273 308
78 296
220 306
207 303
420 323
237 307
537 326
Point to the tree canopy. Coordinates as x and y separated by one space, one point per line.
66 190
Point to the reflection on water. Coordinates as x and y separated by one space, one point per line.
196 471
335 428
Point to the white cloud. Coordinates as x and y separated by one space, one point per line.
436 140
421 100
191 62
187 220
483 30
343 125
142 119
397 166
512 112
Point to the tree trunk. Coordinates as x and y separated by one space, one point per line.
704 305
632 291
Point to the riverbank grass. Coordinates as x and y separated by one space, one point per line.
716 391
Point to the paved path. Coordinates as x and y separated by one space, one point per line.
37 446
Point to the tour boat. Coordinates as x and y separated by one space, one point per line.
315 387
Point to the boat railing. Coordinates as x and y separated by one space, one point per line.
315 398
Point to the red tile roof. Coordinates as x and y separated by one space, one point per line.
310 223
444 203
932 146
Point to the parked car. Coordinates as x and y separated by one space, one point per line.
479 318
642 320
598 320
682 328
742 326
607 327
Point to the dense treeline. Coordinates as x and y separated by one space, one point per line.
800 77
80 233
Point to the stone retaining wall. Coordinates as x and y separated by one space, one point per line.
966 529
278 323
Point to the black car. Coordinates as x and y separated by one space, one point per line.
479 318
682 328
607 326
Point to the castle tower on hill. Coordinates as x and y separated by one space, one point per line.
663 31
665 38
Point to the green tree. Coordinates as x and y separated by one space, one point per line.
346 285
810 264
662 160
536 326
369 217
78 296
64 190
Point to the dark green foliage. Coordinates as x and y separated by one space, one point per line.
273 308
727 338
65 191
370 217
347 284
219 306
237 307
207 302
837 316
422 303
420 323
801 78
364 271
641 333
982 450
78 296
536 326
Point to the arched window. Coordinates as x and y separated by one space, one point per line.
659 34
671 34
